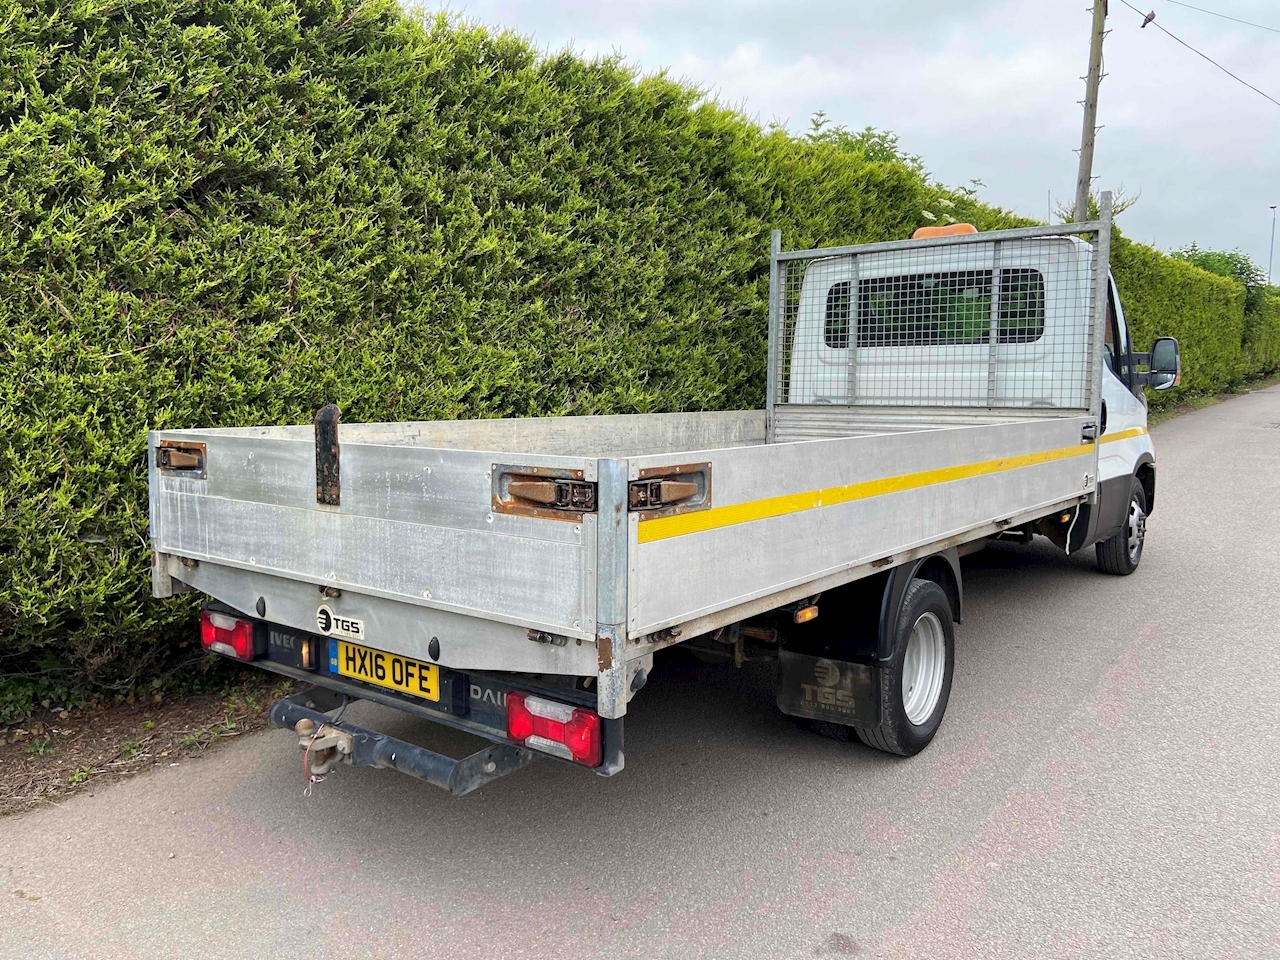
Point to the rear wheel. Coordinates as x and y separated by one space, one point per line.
916 684
1122 553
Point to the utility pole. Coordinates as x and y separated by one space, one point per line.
1272 255
1085 177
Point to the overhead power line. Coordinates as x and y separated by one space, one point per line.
1214 13
1151 20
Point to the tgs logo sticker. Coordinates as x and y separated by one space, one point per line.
329 624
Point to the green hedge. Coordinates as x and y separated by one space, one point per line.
1262 335
233 212
1164 297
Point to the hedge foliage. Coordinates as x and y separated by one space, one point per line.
1165 297
233 211
1260 339
1262 335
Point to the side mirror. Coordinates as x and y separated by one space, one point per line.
1166 364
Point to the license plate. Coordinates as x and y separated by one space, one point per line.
389 670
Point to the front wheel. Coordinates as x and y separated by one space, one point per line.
1122 553
916 684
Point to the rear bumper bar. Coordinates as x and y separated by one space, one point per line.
372 749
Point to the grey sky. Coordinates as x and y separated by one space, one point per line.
983 89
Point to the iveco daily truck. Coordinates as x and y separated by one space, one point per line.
514 578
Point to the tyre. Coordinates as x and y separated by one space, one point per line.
1122 553
916 684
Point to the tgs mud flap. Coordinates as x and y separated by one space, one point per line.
820 688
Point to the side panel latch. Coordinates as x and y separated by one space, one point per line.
647 494
544 492
182 458
664 491
557 494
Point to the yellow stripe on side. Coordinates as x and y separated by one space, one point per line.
663 528
1124 435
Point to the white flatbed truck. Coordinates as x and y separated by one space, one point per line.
514 578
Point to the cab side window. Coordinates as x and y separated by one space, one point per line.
1116 340
1109 335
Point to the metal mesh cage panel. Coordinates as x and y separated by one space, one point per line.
998 324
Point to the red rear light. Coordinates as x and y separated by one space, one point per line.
570 733
227 635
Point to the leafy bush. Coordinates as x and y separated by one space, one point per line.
1164 296
233 211
1262 340
1260 337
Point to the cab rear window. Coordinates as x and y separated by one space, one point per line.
937 309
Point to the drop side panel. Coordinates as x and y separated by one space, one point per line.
789 513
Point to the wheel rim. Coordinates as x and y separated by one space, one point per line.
923 668
1137 530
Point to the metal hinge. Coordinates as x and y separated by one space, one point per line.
1088 433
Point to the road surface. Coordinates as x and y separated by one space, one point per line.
1106 784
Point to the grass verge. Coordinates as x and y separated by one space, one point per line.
59 750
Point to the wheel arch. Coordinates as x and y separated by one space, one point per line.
1145 472
942 568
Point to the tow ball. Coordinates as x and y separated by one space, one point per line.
322 748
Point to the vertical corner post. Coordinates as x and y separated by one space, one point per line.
613 533
993 337
153 489
1098 326
775 331
161 584
1098 318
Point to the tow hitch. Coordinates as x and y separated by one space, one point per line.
322 747
326 743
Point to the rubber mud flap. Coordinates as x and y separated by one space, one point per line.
820 688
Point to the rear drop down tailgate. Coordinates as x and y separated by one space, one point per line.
472 549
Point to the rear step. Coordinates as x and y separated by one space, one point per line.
326 743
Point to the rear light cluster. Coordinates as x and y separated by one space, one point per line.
570 733
227 635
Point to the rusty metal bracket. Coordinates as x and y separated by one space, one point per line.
328 475
665 491
646 494
183 457
545 492
557 494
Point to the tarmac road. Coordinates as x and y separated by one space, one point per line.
1105 785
